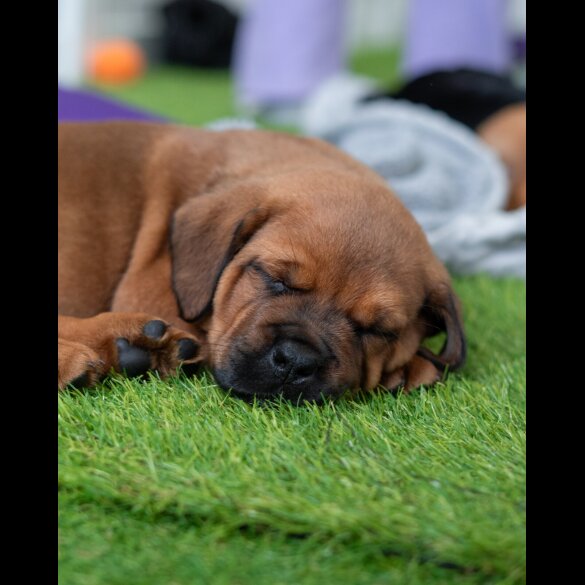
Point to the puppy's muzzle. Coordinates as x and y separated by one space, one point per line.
290 366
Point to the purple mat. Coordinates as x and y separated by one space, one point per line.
84 106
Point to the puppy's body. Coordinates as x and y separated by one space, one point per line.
293 267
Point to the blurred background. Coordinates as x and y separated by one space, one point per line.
125 48
428 93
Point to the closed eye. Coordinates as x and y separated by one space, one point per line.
273 284
277 287
362 332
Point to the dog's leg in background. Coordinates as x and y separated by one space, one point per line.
132 343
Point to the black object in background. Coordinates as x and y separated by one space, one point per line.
199 33
467 95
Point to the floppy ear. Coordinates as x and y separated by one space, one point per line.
206 233
441 312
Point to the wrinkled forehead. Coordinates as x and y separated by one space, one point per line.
366 231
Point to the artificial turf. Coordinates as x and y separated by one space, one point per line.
174 482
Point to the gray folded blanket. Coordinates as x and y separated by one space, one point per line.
454 185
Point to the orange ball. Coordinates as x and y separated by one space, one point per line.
116 61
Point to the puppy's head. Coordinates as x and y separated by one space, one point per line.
311 284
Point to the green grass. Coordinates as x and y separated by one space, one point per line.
184 95
173 482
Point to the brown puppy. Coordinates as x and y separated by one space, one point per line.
281 263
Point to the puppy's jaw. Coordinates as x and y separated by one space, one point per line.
253 373
252 394
252 387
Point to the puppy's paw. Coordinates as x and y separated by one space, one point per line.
417 372
395 380
132 344
157 347
79 366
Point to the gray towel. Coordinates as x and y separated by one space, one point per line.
454 185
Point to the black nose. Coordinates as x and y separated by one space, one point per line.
294 361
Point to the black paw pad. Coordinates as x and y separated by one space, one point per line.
155 329
133 361
187 349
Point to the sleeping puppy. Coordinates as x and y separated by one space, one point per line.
280 263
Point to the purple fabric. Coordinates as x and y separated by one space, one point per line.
81 105
456 33
285 48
